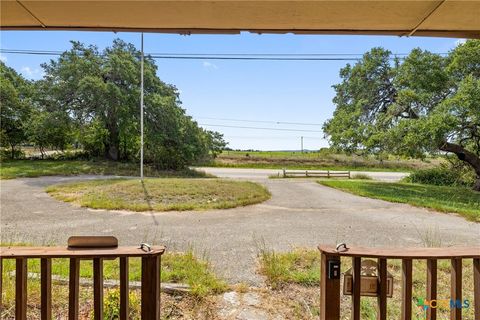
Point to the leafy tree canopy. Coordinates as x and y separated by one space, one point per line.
424 104
94 95
15 94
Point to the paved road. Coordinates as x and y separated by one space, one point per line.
300 213
253 174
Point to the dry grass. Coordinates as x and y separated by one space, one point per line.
160 194
184 307
317 161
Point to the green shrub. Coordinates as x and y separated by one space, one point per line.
300 266
7 154
111 308
443 176
361 176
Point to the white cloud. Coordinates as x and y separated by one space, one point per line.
31 73
460 41
3 58
209 65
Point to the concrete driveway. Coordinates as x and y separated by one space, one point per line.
300 213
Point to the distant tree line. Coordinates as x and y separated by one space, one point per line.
425 104
89 99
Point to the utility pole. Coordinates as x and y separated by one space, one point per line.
141 112
301 139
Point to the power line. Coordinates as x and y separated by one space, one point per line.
252 58
272 137
271 54
262 121
35 52
196 57
258 128
230 56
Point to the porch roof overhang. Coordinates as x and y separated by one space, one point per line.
445 18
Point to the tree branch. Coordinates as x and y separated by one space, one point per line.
463 154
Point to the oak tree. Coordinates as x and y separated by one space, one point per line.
424 104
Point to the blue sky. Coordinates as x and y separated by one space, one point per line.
283 91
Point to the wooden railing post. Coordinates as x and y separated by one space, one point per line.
73 287
124 288
382 289
21 289
407 289
1 285
98 288
476 287
431 287
151 288
329 290
357 281
46 288
456 290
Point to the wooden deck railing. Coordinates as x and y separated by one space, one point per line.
330 283
150 288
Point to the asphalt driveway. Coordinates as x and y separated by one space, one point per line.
301 213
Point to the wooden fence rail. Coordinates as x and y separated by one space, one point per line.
150 287
330 281
316 173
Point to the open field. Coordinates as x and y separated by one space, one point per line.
316 161
35 168
459 200
160 194
301 267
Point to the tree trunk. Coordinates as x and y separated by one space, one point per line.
113 152
113 148
469 157
476 186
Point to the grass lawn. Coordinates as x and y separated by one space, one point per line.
36 168
302 267
459 200
160 194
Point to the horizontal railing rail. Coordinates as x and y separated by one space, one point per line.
150 278
331 280
316 173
